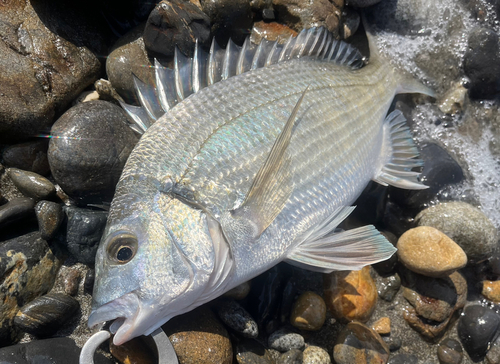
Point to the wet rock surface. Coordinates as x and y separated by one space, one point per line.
15 210
450 352
28 156
32 184
50 217
308 312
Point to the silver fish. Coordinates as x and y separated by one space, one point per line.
257 159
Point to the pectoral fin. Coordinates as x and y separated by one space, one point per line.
270 189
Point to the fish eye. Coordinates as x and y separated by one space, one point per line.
122 248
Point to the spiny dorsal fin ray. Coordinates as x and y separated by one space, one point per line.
270 190
204 69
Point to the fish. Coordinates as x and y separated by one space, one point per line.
249 156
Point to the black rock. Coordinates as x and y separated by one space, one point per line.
450 352
477 329
83 233
482 63
237 318
15 210
176 23
32 184
50 216
439 170
393 342
404 359
252 352
60 350
388 287
29 156
396 220
88 284
91 145
370 205
46 314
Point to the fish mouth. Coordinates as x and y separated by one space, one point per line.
125 311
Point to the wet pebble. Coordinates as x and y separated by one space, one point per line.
388 287
237 318
199 337
250 351
350 295
90 147
477 328
491 290
465 224
88 284
382 326
450 352
46 314
49 216
404 359
61 350
308 312
284 340
28 156
294 356
83 232
316 355
271 31
176 23
426 250
358 344
135 351
393 342
32 184
71 281
15 210
239 292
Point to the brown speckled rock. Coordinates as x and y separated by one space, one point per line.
316 355
350 295
199 337
382 326
491 290
271 31
308 312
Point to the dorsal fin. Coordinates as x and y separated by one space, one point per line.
192 74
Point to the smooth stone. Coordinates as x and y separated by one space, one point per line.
477 328
71 281
15 210
83 232
388 287
46 314
28 269
426 250
176 24
439 170
316 355
239 292
284 340
304 14
308 312
91 144
28 156
61 350
233 315
88 284
482 63
294 356
393 342
135 351
450 352
199 337
382 326
404 359
350 295
49 216
465 224
128 57
32 184
351 21
271 31
250 351
358 344
433 301
491 290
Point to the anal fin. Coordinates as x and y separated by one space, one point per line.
401 155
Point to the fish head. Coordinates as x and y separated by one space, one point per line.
155 261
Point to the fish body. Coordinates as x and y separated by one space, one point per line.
210 197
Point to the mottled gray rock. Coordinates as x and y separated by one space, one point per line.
251 351
84 231
466 225
284 340
46 314
28 269
293 356
16 210
28 156
32 184
91 145
316 355
237 318
50 216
